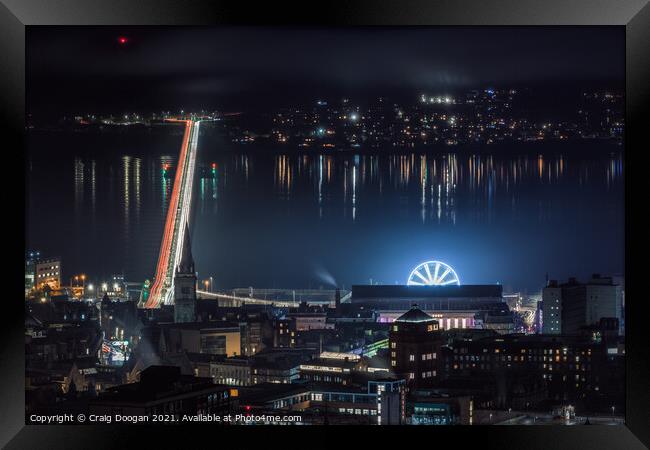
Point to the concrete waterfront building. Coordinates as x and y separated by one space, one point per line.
453 306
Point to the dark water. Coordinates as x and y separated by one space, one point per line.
308 220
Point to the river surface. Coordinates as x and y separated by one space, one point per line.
267 218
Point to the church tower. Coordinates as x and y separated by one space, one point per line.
185 284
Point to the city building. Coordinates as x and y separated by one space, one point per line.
61 342
284 333
522 371
428 407
310 317
453 306
336 368
552 308
164 390
571 306
234 371
378 402
414 344
30 270
277 368
48 273
216 338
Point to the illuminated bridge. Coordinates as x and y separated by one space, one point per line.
281 298
233 300
161 291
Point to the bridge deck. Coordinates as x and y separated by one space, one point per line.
177 216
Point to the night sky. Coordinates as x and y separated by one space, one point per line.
85 69
121 69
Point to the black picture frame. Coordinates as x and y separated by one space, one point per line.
16 15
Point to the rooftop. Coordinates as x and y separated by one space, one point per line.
157 382
402 290
415 315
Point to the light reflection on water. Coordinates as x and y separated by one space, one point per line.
435 182
264 206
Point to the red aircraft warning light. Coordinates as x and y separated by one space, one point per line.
122 40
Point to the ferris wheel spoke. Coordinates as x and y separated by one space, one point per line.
435 273
417 272
455 280
416 283
443 276
428 271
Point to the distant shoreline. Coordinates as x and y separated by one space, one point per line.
582 146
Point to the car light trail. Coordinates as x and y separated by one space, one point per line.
177 216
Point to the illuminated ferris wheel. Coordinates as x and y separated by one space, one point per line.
433 273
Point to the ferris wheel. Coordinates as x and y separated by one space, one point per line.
433 273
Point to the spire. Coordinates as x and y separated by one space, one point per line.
186 264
